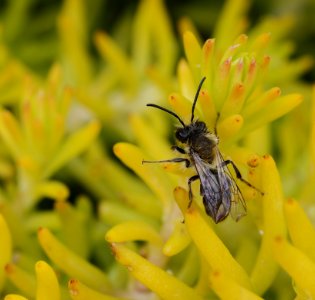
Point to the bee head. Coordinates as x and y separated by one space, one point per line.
195 127
182 134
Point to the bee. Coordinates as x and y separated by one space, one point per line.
221 195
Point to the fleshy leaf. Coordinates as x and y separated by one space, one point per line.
14 297
5 249
300 267
79 291
301 230
71 263
266 268
47 283
73 146
163 284
21 279
178 240
228 289
215 252
133 231
154 177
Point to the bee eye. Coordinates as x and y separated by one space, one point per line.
201 126
182 134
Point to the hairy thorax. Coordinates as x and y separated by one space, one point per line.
204 145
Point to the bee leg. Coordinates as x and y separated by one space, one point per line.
178 149
239 175
173 160
190 180
216 123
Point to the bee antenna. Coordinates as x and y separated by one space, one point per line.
168 111
196 98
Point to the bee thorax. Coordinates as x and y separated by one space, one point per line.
204 146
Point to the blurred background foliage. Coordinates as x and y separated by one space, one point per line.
30 25
29 34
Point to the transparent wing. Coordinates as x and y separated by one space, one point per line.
238 205
215 192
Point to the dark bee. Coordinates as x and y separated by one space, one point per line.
221 195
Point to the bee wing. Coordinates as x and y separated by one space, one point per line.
238 205
216 197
